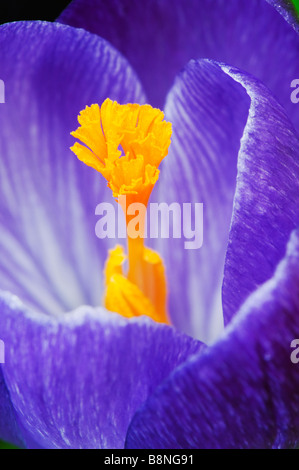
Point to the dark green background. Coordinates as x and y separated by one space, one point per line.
17 10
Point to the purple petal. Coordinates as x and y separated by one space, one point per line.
159 38
242 392
50 256
76 381
266 201
208 111
9 429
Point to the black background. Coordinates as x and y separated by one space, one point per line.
13 10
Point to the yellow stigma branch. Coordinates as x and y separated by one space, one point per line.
126 144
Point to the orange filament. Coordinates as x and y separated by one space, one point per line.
126 144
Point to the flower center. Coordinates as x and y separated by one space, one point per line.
126 144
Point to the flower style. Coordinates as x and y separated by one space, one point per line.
90 377
126 144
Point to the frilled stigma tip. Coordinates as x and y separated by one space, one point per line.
126 144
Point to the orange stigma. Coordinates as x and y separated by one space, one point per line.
126 144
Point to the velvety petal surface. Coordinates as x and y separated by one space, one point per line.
243 391
9 429
208 111
76 381
266 203
160 37
244 169
50 255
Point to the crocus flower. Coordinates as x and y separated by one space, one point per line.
92 378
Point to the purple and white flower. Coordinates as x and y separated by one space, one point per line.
77 376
